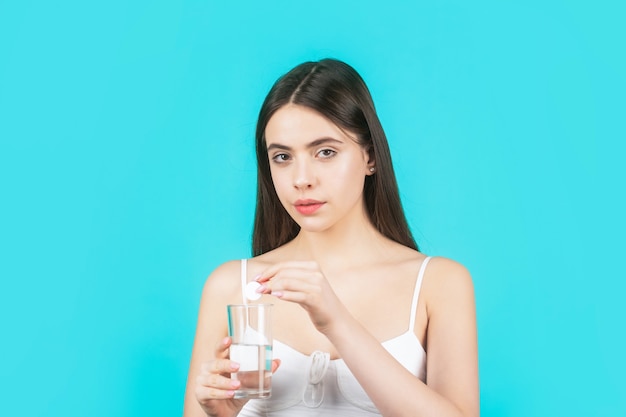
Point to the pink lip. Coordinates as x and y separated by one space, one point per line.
308 206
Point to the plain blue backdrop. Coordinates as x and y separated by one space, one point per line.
127 174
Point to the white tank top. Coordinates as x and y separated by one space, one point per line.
315 386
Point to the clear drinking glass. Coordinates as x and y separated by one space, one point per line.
250 327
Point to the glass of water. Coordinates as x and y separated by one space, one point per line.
250 328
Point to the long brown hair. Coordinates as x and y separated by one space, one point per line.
336 91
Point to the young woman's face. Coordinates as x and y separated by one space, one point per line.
318 170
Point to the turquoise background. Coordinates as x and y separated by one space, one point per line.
127 174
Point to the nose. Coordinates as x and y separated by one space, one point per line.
303 175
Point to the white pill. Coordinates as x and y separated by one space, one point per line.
251 293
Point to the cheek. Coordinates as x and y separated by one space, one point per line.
280 182
349 178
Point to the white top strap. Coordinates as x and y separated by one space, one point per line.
244 278
416 293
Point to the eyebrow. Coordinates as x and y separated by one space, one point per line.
313 144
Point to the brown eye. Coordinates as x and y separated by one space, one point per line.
326 153
280 158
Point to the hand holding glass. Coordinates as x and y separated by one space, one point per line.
250 328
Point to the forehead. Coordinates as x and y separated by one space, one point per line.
293 124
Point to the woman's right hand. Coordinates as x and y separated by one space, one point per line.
214 388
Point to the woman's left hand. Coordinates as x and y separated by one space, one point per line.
304 283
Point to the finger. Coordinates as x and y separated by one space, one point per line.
274 269
204 393
275 365
294 297
291 273
219 366
221 349
295 283
255 379
288 281
217 381
314 276
265 288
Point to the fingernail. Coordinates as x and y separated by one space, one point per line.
257 278
235 384
261 289
230 393
277 294
225 341
234 366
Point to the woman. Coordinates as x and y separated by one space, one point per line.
387 330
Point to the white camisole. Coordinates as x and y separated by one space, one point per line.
315 386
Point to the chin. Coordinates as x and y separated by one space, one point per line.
312 226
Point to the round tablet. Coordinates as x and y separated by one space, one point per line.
251 293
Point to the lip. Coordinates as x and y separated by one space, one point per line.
308 206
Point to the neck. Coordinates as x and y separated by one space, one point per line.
349 243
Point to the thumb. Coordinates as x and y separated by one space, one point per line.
275 365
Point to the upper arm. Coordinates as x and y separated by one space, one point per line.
452 359
221 288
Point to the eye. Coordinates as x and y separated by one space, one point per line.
280 158
326 153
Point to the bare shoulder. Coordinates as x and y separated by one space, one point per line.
222 287
448 272
224 281
447 282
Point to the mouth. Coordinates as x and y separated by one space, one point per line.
307 207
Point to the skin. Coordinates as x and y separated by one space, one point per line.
341 284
